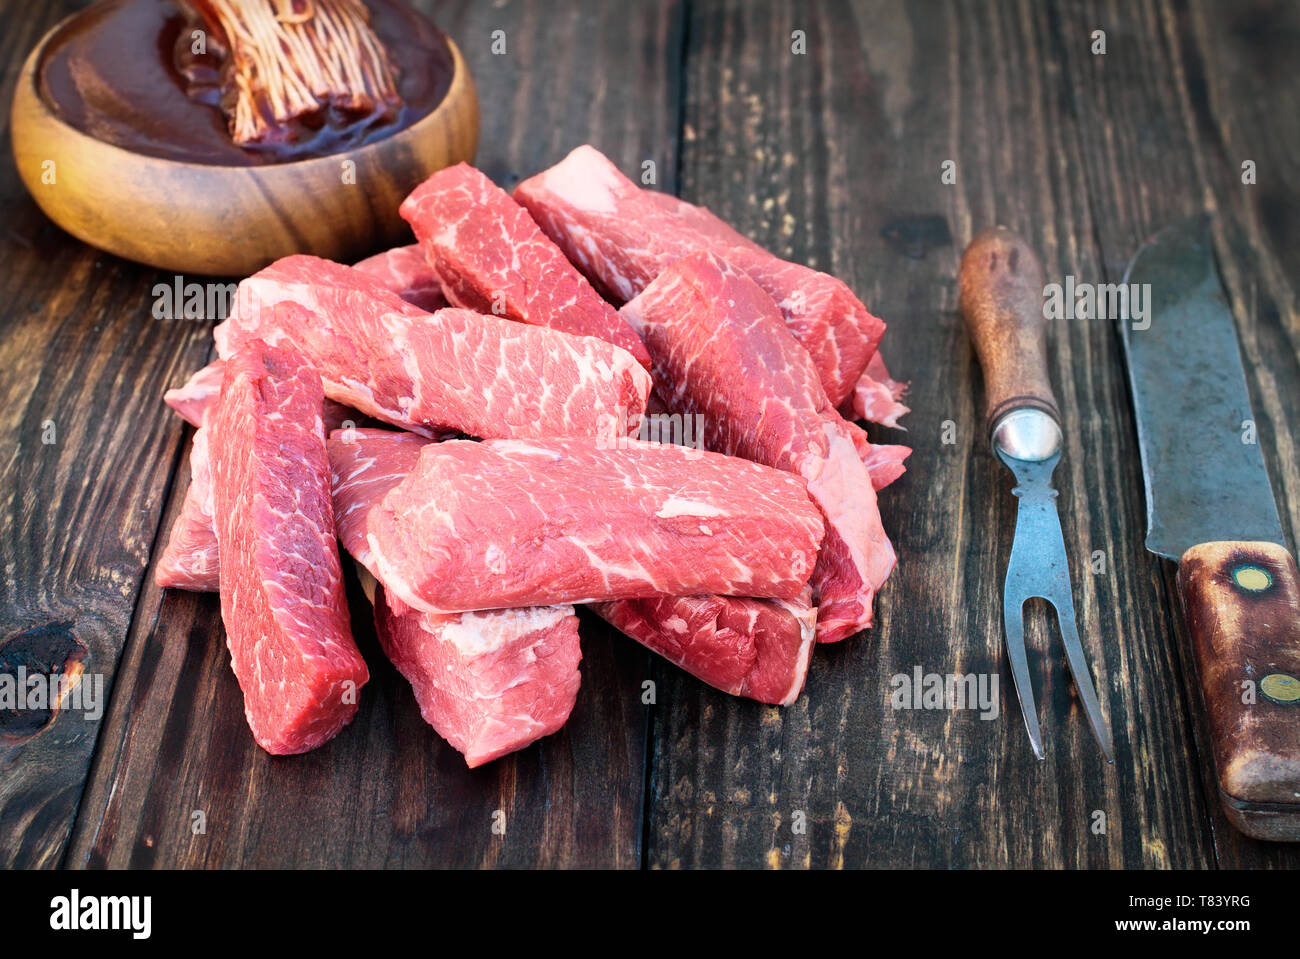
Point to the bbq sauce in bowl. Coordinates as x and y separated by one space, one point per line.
123 72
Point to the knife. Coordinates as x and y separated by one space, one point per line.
1001 299
1210 508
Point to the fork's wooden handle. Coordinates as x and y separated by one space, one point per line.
1243 610
1001 299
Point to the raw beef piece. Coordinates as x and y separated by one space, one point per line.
876 396
490 257
489 682
453 369
404 271
282 588
721 350
200 391
191 559
364 465
514 523
622 237
758 648
884 462
746 647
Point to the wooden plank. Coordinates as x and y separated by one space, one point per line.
88 454
1224 96
834 157
388 791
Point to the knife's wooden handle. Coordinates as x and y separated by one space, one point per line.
1001 282
1243 610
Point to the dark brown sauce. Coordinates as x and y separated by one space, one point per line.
111 73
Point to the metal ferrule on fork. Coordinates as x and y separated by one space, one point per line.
1001 301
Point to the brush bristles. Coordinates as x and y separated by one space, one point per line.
292 58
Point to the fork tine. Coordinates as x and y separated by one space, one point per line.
1014 624
1082 678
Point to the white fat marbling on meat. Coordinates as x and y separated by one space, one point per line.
589 188
477 633
675 506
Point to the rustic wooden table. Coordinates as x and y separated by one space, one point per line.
833 156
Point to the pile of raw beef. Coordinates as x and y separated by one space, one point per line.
514 484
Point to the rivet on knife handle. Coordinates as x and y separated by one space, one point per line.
1002 301
1243 611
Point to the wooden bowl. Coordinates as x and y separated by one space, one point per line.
233 220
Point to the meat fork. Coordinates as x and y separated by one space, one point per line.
1002 302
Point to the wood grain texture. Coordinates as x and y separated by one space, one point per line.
88 456
387 791
832 157
1195 90
835 157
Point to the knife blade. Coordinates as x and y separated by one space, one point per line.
1210 507
1193 409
